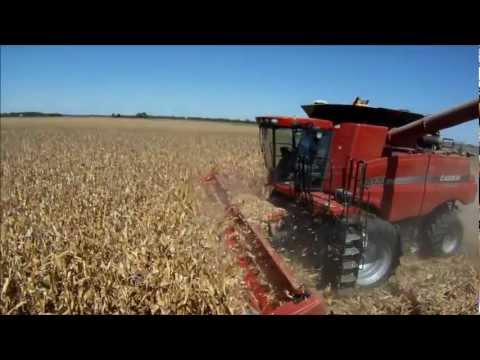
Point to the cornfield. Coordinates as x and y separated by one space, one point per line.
106 216
102 216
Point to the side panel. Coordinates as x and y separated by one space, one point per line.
406 186
340 150
353 142
369 142
397 184
448 179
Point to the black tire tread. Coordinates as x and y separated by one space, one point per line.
437 224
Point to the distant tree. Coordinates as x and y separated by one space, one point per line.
30 114
142 115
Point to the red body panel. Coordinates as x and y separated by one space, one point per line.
437 190
357 141
412 185
396 185
353 142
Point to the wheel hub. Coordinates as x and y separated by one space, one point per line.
377 259
449 243
370 253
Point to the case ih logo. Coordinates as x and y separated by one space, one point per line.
450 178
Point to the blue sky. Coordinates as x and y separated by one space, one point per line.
236 81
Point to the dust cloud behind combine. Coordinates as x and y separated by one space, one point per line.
470 217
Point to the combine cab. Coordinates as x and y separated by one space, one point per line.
370 180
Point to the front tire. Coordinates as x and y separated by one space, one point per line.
381 255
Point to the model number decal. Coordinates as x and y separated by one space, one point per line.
375 181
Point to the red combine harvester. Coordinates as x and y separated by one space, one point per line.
357 184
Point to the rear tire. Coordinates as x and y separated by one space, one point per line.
442 234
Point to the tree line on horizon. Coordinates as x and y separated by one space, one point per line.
142 115
29 114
